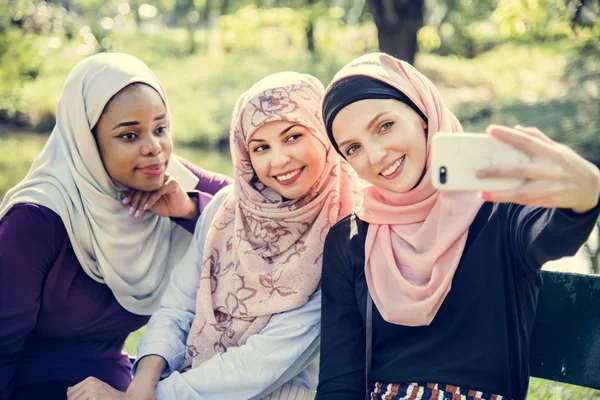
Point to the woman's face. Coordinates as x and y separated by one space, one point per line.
384 140
287 158
133 138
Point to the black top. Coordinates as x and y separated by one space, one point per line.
479 338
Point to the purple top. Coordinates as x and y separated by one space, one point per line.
56 323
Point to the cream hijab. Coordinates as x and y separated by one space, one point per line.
133 256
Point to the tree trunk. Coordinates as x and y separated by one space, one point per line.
191 28
224 7
398 22
206 12
310 27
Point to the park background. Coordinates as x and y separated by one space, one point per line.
533 62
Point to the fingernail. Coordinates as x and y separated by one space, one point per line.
137 213
481 174
130 210
125 200
486 196
145 206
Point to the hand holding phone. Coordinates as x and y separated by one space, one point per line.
554 176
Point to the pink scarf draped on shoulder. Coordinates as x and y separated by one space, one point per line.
415 239
263 254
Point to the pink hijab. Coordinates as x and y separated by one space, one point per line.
263 254
415 240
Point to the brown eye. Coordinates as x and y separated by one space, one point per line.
261 148
128 136
293 138
162 130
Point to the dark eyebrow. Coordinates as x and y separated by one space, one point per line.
133 123
369 126
283 132
122 124
286 130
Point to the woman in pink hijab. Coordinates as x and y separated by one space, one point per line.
453 276
241 316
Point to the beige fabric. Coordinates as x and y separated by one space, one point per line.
263 254
133 256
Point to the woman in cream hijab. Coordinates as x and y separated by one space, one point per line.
86 242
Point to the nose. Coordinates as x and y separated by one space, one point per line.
152 145
280 158
375 152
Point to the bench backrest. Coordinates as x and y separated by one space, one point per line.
565 344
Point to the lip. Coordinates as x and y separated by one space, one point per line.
291 180
153 170
397 172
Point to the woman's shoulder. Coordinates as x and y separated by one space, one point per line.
210 211
29 227
33 217
348 230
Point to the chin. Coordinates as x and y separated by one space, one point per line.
293 194
149 185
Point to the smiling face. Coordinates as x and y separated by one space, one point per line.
287 158
133 138
384 140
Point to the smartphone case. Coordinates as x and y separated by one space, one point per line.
456 157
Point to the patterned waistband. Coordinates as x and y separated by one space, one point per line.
427 391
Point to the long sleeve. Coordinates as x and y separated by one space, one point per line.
28 246
285 347
209 182
539 235
342 363
169 326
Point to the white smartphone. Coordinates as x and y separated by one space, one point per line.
456 158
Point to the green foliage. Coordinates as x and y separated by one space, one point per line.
542 18
274 29
255 29
17 152
21 62
540 389
468 28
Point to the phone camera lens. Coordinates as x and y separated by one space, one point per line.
443 175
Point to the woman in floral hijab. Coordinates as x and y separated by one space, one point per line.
241 316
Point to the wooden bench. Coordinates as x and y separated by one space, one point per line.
565 344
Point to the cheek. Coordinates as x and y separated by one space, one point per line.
167 144
315 156
360 165
259 166
117 159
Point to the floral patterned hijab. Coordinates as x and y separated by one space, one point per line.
263 253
